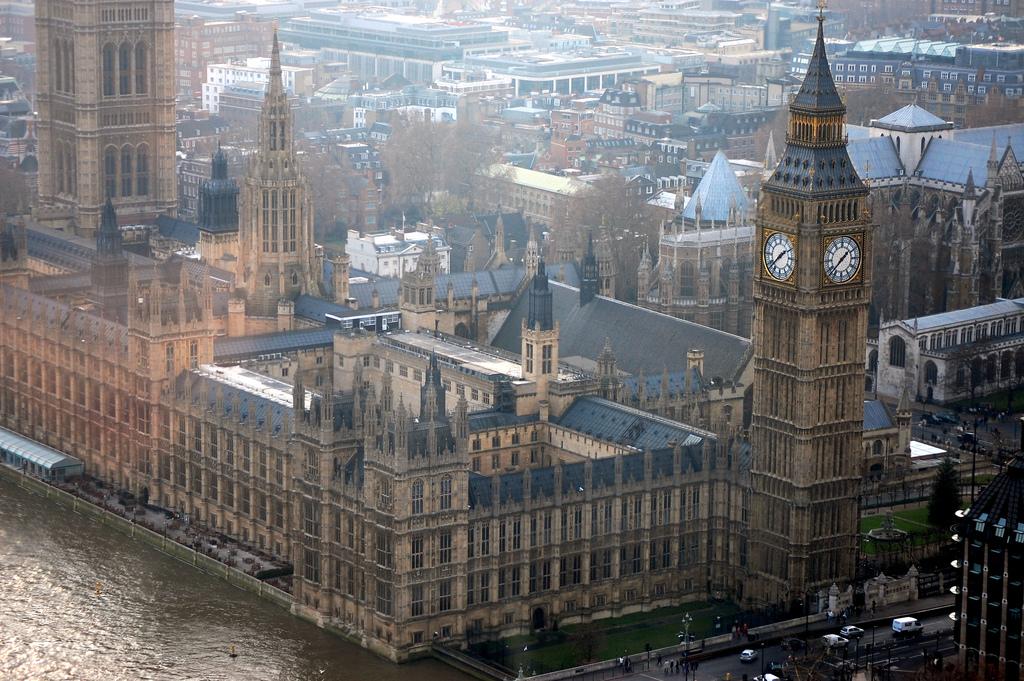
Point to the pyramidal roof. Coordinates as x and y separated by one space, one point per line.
912 117
716 191
819 89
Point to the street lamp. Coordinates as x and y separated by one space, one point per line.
687 621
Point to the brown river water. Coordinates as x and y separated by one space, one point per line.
152 617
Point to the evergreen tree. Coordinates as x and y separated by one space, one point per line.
945 495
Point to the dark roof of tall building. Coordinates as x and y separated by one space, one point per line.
643 340
998 512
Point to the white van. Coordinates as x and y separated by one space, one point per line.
906 626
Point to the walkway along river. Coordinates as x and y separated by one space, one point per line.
81 601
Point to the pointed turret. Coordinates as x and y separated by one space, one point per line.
109 274
819 89
540 305
108 238
532 255
771 159
432 406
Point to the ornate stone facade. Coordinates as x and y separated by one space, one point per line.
106 111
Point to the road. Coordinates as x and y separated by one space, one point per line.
903 654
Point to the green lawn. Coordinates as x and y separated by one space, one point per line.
914 521
622 635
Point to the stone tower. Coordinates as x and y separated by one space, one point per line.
218 197
14 269
606 269
417 304
106 110
540 338
277 258
811 293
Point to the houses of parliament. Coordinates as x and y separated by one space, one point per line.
591 459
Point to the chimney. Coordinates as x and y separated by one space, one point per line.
695 360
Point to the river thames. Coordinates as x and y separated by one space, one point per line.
151 617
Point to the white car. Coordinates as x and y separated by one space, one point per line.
748 655
767 677
834 641
851 631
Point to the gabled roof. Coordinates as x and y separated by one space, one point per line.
875 158
952 161
717 191
998 309
913 118
1012 135
643 340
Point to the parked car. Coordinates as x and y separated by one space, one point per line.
767 677
834 641
748 655
850 631
946 417
792 644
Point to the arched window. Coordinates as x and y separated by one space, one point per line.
142 170
723 278
417 497
1006 365
69 68
446 494
71 181
58 66
108 70
140 68
126 170
266 280
60 169
960 375
295 278
110 171
897 352
876 448
931 373
990 368
124 69
687 286
1018 364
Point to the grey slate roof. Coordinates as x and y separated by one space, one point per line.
950 161
876 416
228 349
818 90
643 340
912 117
63 318
875 158
685 382
502 281
314 308
970 314
178 230
493 419
1012 134
630 427
253 407
716 191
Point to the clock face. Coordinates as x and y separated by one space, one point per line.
842 259
779 256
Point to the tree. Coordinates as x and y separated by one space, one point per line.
586 641
15 197
945 495
425 160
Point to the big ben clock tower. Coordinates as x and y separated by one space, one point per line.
811 293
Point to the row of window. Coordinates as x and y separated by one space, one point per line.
126 171
125 69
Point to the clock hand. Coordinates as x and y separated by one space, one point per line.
843 259
779 256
